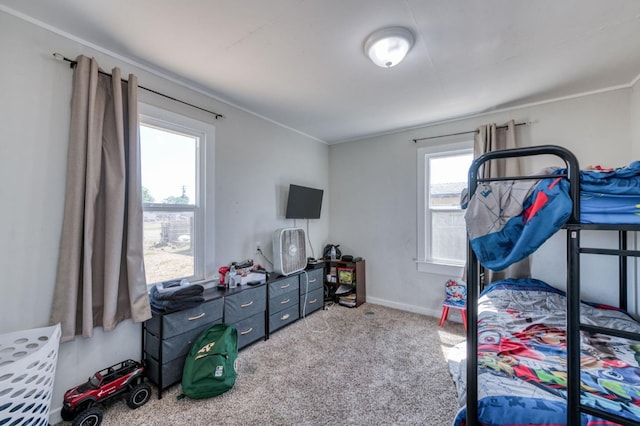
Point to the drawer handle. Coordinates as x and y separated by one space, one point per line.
246 331
284 302
197 317
285 286
311 302
246 305
313 280
285 317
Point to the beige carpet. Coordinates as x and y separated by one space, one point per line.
366 366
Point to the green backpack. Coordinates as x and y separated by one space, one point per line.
210 366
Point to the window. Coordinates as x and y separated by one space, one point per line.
172 163
442 174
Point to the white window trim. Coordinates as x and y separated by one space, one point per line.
424 262
203 207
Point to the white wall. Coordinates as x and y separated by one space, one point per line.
255 161
373 191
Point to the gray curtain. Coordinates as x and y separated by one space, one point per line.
100 280
489 138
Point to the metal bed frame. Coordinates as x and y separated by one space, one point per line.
574 249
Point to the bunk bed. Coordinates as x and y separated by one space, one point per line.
536 354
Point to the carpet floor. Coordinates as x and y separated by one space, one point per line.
371 365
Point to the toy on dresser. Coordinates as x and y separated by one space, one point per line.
241 273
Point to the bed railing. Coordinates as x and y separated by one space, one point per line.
571 165
473 275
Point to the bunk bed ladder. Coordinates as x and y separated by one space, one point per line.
473 290
573 326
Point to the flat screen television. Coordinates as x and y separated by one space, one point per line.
304 202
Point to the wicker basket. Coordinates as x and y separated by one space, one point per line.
27 369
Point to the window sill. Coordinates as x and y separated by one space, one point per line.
445 269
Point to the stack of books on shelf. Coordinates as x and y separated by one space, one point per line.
348 300
346 295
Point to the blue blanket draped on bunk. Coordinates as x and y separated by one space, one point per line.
508 220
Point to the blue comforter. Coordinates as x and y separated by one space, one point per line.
621 181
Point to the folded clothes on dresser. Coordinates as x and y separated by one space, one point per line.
175 295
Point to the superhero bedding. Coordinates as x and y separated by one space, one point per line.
508 220
522 358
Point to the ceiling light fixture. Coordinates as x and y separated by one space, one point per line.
388 46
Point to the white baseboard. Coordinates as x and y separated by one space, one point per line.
405 307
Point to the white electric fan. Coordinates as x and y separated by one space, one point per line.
289 254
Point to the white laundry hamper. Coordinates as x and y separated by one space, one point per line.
27 369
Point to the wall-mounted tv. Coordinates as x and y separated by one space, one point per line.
304 202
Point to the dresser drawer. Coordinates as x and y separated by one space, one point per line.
283 301
315 280
314 301
250 329
181 321
283 317
284 285
175 346
170 372
244 304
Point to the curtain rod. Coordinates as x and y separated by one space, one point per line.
464 133
73 63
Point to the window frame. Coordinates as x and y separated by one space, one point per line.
160 118
424 259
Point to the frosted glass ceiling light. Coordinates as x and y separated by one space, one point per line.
388 46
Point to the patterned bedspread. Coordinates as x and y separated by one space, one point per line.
522 358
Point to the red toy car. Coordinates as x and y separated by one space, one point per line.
84 403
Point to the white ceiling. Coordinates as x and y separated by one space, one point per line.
300 63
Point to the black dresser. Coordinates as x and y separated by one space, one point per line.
167 339
255 311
